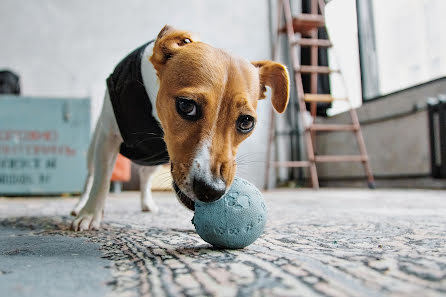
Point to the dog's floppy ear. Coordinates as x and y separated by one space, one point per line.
168 42
275 76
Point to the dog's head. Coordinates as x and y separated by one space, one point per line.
207 103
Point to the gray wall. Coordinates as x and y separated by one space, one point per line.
395 129
68 48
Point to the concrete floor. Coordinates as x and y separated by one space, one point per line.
333 242
46 266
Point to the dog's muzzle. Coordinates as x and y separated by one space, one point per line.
183 198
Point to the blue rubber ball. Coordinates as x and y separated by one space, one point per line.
235 220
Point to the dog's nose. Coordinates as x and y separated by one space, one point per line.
208 192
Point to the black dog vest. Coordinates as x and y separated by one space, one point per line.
142 133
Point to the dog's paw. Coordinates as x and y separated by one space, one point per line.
86 221
79 205
149 206
75 211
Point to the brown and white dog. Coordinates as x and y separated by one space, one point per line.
206 102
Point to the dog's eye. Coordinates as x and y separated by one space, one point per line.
188 109
245 123
184 41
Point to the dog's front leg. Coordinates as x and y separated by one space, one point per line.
90 177
85 194
105 153
145 176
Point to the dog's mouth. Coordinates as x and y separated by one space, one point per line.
184 199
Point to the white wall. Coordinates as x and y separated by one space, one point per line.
68 48
410 42
340 16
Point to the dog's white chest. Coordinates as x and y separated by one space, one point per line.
149 77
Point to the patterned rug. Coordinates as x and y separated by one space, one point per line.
325 243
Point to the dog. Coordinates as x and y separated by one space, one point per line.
182 101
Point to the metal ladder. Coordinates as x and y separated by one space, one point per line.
307 25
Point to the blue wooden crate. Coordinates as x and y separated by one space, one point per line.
43 145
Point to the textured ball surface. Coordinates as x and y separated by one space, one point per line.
234 221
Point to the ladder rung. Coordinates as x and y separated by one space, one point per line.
316 69
321 98
332 127
305 22
340 158
313 42
291 164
